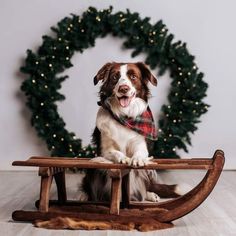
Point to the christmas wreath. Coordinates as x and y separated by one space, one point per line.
77 33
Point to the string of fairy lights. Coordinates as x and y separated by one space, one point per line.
77 33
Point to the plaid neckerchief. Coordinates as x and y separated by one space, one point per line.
142 124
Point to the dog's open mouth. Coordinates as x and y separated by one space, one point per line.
125 100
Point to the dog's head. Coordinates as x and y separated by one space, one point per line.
125 82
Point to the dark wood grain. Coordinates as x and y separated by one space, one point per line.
115 192
45 186
85 163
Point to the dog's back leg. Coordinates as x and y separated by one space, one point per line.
169 190
165 190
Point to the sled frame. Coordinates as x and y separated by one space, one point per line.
54 168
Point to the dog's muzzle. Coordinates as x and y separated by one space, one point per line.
123 89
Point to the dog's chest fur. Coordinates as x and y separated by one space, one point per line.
124 138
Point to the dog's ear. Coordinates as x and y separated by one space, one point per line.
103 73
146 73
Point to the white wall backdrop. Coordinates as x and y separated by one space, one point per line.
207 26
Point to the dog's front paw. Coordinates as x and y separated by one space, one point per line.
139 161
125 160
153 197
117 157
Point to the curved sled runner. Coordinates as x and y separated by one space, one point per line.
137 212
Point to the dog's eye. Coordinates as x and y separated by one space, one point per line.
115 77
133 77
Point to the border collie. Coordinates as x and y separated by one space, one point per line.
124 126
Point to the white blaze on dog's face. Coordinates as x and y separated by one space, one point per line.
124 82
124 89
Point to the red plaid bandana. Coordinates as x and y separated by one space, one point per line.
142 124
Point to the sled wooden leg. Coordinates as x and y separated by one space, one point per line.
61 186
46 181
115 191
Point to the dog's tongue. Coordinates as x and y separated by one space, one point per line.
124 101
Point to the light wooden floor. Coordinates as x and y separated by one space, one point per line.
216 216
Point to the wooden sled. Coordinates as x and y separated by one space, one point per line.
120 208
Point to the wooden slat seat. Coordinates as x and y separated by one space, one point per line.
87 164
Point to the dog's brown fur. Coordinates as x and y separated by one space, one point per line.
111 70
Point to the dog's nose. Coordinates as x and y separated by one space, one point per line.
123 89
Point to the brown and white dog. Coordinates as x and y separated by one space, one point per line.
124 93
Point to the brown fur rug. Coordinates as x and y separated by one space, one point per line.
91 217
74 223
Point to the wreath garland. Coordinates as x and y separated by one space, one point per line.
75 33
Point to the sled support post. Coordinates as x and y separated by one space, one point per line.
46 181
116 180
47 174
